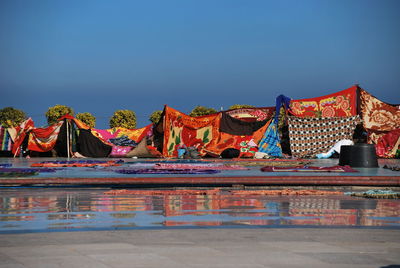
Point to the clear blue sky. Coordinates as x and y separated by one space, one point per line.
99 56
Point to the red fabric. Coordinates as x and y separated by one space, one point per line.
22 130
388 144
339 104
44 139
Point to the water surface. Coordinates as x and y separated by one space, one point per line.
65 209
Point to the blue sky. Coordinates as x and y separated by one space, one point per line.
100 56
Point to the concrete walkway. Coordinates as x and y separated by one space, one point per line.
187 248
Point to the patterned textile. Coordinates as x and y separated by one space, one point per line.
378 117
309 169
120 151
167 171
181 129
198 166
123 141
20 135
77 163
339 104
270 143
247 144
5 140
252 114
135 135
388 144
236 126
311 136
204 133
44 139
281 101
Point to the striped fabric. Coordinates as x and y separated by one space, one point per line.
5 140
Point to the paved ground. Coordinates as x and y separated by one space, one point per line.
254 247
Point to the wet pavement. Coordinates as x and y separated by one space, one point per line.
109 227
76 209
253 168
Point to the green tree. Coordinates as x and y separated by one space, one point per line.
155 116
123 118
202 110
239 106
57 111
87 118
11 117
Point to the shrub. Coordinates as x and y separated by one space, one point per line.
202 110
155 116
239 106
11 117
123 118
87 118
57 111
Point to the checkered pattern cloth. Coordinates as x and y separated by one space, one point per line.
310 136
270 143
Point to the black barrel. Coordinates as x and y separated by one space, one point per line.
345 155
364 155
358 155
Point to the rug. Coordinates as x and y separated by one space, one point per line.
309 169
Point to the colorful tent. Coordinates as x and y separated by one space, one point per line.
379 117
339 104
212 134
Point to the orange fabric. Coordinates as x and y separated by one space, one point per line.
22 130
203 133
44 139
339 104
181 129
225 141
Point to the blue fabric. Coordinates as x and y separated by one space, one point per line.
271 143
281 100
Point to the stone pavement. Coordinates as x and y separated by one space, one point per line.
230 247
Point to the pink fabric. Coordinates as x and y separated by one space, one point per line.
198 166
120 151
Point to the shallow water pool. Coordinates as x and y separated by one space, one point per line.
66 209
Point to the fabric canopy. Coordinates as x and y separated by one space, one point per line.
134 134
378 117
311 136
183 130
44 139
339 104
21 132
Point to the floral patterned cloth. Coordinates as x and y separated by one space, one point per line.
181 129
378 117
388 144
135 135
339 104
204 133
252 114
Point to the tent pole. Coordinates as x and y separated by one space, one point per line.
67 139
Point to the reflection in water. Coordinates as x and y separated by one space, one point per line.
44 209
